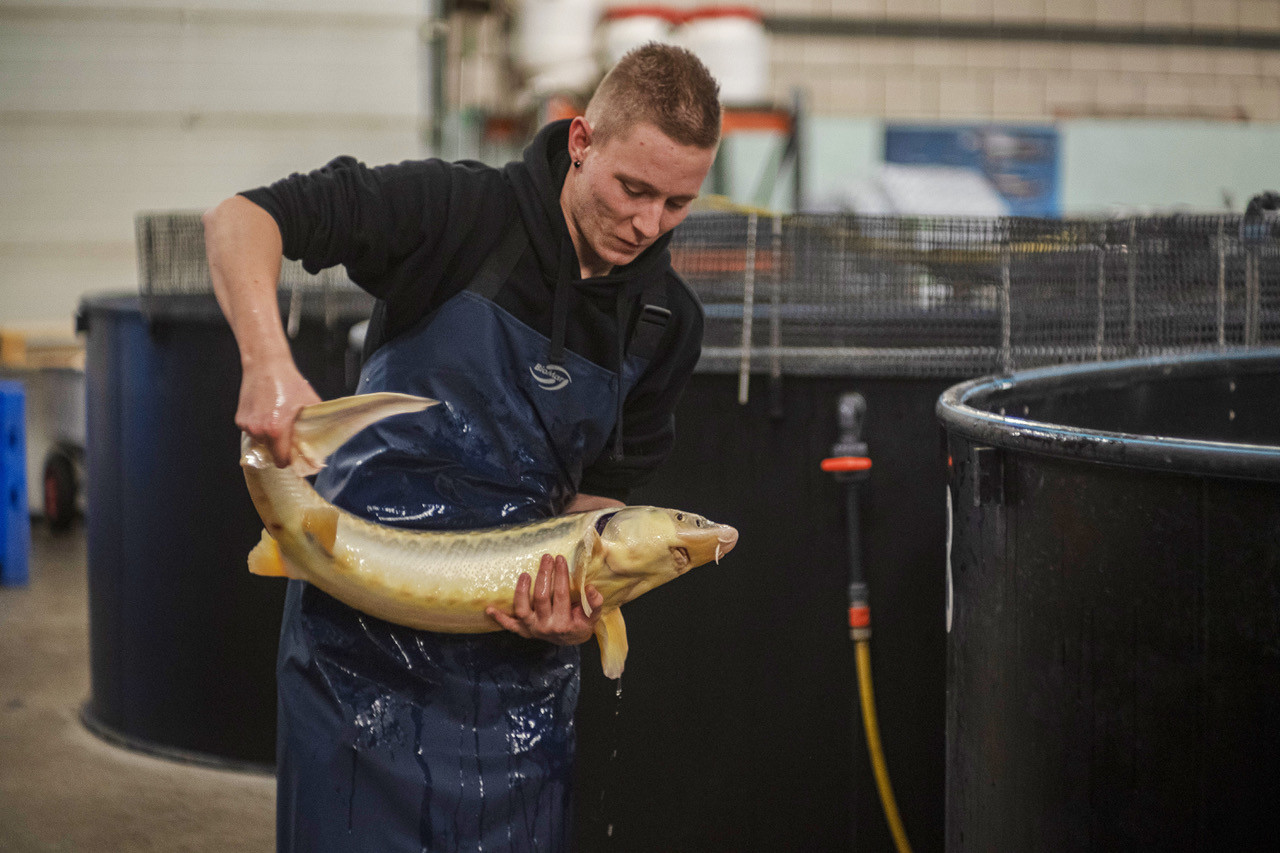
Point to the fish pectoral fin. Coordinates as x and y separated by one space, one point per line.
589 552
611 636
321 526
265 558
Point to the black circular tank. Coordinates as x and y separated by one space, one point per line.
1113 653
181 635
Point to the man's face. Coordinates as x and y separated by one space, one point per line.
628 192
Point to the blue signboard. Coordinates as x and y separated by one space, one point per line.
1019 161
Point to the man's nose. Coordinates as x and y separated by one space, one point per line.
649 219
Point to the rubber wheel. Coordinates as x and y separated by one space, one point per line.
59 491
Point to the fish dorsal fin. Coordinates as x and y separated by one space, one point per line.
265 558
590 551
611 636
322 428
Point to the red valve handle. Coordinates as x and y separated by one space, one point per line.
846 463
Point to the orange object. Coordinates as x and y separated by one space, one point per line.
732 121
860 616
558 108
846 463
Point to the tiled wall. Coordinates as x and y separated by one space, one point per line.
1008 79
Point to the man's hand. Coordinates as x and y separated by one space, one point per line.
544 610
586 503
269 403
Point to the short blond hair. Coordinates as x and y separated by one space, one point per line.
662 85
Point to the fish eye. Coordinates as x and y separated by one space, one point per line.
679 516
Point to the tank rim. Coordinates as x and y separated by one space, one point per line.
971 409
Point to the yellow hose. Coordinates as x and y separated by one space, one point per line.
878 765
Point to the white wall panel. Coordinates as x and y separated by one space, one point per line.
168 66
111 108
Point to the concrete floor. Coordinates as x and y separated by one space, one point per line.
61 788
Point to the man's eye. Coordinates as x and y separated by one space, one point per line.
629 191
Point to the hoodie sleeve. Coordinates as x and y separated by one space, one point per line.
649 410
367 219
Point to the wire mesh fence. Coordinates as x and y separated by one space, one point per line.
173 272
836 294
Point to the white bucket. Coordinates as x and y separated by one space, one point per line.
555 41
732 42
624 28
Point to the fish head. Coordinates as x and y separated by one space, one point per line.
654 544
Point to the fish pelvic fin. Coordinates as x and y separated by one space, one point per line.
265 558
611 636
322 428
589 553
321 526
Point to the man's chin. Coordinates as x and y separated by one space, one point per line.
624 255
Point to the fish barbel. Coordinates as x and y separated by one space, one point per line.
444 580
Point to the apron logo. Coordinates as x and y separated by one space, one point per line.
552 377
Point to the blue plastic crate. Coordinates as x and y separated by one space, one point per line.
15 522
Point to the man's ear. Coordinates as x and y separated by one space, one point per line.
579 138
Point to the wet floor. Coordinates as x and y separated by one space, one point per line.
61 788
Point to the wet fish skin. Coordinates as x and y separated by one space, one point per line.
444 580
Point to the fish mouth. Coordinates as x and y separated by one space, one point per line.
725 543
723 537
681 556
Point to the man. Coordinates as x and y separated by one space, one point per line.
538 303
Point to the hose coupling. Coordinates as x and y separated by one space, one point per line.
859 612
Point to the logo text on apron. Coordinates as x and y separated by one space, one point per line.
550 377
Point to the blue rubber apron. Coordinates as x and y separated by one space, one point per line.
394 739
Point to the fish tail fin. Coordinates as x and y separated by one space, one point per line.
265 558
322 428
611 636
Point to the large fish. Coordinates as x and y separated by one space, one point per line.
443 581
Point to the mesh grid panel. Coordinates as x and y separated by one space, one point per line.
172 265
836 294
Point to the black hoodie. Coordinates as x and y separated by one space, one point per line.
416 233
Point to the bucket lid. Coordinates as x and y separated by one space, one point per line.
710 12
618 13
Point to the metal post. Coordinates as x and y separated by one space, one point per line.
1006 312
775 322
1101 332
1222 285
1131 253
748 310
1252 297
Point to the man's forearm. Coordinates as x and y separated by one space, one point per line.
244 246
